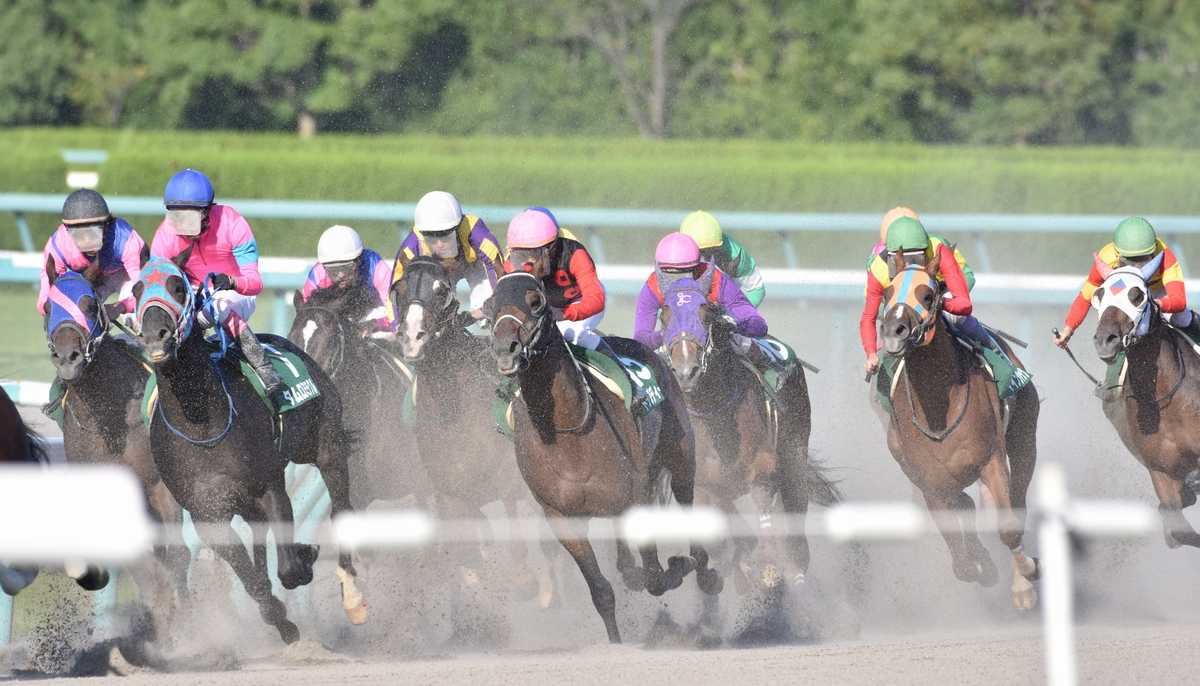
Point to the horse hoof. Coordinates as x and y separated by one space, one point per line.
709 581
968 572
1037 570
679 566
94 579
357 615
988 574
308 554
288 632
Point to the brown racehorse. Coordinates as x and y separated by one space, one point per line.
762 445
1154 410
947 429
582 453
468 462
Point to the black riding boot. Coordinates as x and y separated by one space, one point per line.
257 358
1193 329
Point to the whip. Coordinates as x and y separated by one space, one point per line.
1072 356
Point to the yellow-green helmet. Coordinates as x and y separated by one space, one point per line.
1134 237
905 234
703 228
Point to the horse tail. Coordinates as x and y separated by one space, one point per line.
816 483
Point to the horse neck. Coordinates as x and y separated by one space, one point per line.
723 376
553 388
110 375
932 371
1154 363
188 384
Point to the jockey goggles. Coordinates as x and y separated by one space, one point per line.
443 244
88 237
341 272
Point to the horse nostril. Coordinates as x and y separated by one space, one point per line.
512 347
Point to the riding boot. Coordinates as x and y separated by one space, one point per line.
257 358
1192 330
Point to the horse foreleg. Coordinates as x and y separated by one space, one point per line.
579 548
295 561
258 585
995 477
944 508
683 487
336 475
1176 529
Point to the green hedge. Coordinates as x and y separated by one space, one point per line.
748 175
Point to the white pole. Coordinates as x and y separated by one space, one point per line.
1057 600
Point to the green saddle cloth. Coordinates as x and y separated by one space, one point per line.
785 363
1009 378
301 388
633 381
54 404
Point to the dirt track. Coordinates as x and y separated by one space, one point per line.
1107 655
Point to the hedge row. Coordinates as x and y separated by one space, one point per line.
749 175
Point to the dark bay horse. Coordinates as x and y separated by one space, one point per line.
947 429
221 453
1154 408
105 378
761 442
333 327
468 462
582 452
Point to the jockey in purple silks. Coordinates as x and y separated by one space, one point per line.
678 256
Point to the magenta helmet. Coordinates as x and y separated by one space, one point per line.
531 229
677 251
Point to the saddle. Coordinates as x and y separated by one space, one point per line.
627 378
292 370
1008 378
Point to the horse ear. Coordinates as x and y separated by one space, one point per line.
935 265
182 258
138 289
297 299
145 255
51 272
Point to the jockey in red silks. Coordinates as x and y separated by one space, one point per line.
343 263
89 236
678 256
538 245
217 241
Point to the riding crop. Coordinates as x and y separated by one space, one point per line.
1071 355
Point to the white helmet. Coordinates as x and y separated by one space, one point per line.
437 211
339 244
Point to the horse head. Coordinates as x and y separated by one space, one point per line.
914 305
1125 306
166 308
75 323
521 321
424 303
687 331
328 318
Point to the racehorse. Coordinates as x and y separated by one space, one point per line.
583 454
221 453
20 445
1155 405
105 378
947 429
761 439
469 464
332 327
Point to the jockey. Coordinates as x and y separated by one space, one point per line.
1135 243
678 256
726 253
462 242
343 263
89 236
536 244
906 234
218 241
880 248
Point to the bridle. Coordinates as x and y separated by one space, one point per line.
919 335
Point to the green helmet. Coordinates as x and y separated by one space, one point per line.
1134 237
906 233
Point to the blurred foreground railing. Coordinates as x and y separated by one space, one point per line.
96 514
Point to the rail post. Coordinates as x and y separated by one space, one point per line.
1058 619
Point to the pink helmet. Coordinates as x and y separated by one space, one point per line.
531 229
677 250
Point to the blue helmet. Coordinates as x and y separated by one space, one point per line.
188 188
548 213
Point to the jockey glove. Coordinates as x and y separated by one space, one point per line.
222 282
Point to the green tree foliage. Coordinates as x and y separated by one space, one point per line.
1123 72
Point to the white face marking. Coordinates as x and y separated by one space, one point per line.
898 309
310 327
413 319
